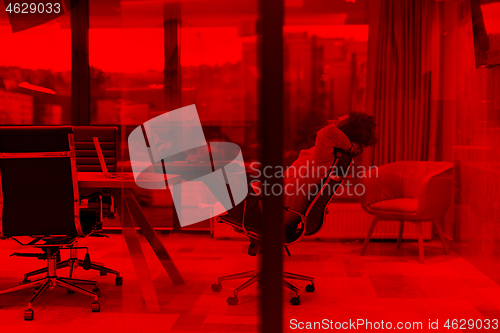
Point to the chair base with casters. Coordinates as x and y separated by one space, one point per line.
400 236
255 276
246 217
105 206
73 262
51 280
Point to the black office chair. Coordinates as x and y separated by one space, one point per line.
246 217
86 155
87 161
39 199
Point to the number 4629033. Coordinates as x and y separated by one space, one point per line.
470 324
32 8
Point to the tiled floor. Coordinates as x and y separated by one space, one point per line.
387 284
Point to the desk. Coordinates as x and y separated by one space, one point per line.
128 212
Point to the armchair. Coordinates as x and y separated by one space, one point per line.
408 191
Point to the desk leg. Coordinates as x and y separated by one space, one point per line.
136 254
152 238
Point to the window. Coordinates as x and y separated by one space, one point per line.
35 73
148 58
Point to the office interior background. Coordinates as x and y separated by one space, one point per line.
427 70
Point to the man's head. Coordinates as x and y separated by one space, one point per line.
359 128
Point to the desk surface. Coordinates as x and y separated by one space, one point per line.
98 180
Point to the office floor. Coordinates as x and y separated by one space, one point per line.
387 284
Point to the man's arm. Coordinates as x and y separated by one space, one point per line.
327 139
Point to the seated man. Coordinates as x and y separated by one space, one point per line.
303 178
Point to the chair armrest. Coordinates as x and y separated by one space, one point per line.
288 209
303 218
435 193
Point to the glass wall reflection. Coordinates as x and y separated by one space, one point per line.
35 73
148 58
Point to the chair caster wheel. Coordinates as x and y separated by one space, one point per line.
295 300
103 273
96 307
26 281
119 281
310 288
28 315
232 300
216 287
70 291
97 291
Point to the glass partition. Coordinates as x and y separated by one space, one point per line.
148 58
35 73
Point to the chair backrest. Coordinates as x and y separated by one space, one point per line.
413 173
402 179
315 214
38 182
86 154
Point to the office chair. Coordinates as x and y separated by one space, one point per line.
86 156
87 161
408 191
245 218
39 199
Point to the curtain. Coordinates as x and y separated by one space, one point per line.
399 89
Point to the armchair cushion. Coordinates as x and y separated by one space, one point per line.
396 205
